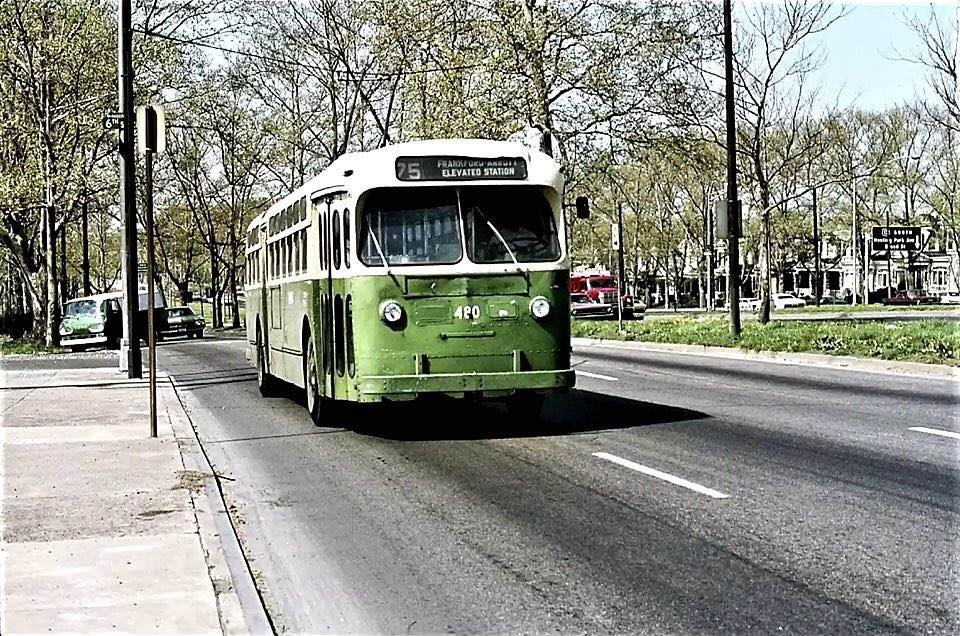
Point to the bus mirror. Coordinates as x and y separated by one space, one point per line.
583 208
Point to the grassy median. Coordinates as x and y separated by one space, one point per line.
25 346
934 342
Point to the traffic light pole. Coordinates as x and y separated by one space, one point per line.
130 345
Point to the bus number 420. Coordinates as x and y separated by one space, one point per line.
467 312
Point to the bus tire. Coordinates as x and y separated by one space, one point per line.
525 407
311 381
265 382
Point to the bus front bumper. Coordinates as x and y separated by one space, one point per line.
377 387
67 341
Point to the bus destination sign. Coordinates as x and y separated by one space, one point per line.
460 168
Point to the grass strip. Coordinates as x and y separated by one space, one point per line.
935 342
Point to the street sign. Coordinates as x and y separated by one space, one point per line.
727 219
615 236
151 129
897 237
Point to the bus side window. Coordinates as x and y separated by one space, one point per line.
346 238
336 239
323 241
303 251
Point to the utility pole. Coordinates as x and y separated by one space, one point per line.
817 284
733 202
50 220
130 347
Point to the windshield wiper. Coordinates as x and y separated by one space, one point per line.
383 259
496 233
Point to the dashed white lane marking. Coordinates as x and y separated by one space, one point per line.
598 376
935 431
653 472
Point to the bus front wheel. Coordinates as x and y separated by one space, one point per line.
311 381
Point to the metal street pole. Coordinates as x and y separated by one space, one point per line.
130 346
854 243
733 203
818 283
620 267
151 268
85 243
889 258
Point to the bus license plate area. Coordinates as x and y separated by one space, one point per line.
445 312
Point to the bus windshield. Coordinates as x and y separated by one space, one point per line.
422 226
522 218
411 226
80 308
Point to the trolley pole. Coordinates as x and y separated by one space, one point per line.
733 202
130 345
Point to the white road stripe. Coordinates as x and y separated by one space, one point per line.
935 431
678 481
598 376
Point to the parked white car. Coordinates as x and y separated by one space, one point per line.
950 298
749 304
783 300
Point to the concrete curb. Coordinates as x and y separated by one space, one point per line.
847 363
239 603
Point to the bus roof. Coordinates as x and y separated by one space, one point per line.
361 171
97 297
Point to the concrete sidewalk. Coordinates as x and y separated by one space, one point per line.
105 529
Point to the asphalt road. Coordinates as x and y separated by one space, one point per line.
736 496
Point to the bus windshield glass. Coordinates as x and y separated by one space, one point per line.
412 227
517 217
80 308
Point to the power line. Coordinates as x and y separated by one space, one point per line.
346 75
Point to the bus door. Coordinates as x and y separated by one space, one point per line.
326 299
262 273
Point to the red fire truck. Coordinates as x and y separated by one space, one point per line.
600 289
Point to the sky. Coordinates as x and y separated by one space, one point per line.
861 52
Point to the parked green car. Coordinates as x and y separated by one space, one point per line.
92 320
181 321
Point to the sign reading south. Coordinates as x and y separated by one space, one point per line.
460 168
897 237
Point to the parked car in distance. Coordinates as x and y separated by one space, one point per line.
750 304
92 320
181 321
950 298
911 297
784 300
581 306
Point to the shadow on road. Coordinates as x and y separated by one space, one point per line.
574 413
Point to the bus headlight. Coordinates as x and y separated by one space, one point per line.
391 312
65 330
540 307
96 327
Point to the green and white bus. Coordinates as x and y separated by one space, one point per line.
430 267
